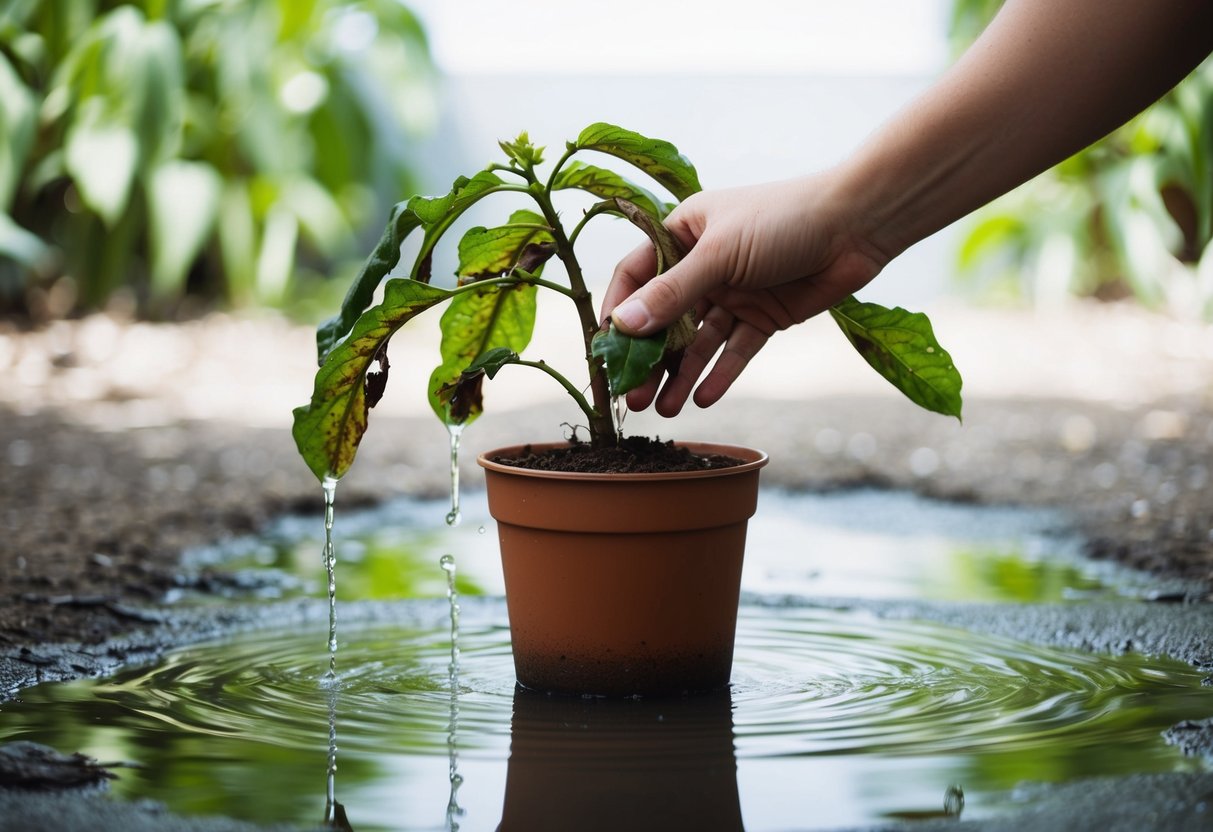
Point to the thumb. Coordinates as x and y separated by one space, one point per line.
663 299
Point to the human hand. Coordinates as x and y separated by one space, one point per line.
760 259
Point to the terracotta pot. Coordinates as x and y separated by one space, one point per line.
623 584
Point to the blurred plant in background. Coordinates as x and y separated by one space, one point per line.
212 149
1130 215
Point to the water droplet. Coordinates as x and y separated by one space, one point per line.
1140 510
480 530
954 800
620 406
453 516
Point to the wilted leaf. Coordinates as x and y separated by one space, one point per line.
462 400
328 429
668 248
477 322
901 346
434 214
607 184
492 251
658 158
669 252
628 360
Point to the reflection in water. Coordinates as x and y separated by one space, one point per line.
334 812
610 764
837 718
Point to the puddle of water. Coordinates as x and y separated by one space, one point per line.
833 719
869 544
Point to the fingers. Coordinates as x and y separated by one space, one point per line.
713 332
661 300
632 272
743 345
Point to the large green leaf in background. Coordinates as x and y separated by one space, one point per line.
304 112
901 346
328 429
18 121
183 202
656 157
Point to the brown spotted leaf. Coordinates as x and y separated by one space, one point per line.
328 429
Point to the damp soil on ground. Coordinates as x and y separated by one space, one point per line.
632 455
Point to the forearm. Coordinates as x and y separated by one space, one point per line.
1047 78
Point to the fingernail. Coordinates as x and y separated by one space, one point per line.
631 315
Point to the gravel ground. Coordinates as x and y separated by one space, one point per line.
121 445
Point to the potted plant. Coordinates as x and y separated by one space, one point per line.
616 583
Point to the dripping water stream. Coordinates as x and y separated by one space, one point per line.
453 516
334 814
453 809
330 566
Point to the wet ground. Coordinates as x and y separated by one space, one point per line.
112 468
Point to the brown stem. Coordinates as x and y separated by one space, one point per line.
602 425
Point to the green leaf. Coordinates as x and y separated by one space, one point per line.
435 215
488 252
101 158
629 360
658 158
522 151
901 346
491 361
23 246
607 184
18 120
328 429
183 202
476 322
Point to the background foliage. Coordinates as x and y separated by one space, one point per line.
1132 214
218 148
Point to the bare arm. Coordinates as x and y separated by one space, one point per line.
1044 80
1047 78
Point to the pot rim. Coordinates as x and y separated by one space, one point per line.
755 459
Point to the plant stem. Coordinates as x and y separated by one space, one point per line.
602 427
585 406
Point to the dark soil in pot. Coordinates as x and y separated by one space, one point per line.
633 455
